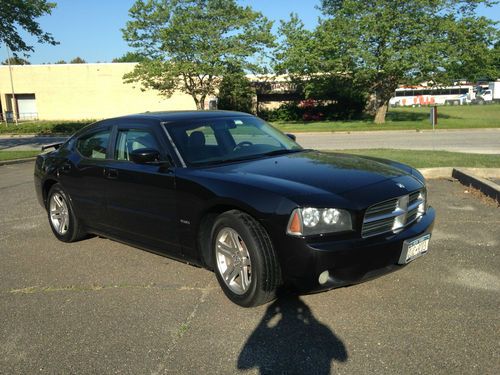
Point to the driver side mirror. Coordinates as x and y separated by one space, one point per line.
291 136
145 156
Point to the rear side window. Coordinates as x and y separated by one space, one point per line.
129 140
95 145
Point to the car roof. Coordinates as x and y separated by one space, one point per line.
168 116
164 117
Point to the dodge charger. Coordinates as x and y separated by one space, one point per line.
228 192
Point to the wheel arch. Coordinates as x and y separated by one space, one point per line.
47 185
205 226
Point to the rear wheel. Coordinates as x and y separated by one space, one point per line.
63 221
246 265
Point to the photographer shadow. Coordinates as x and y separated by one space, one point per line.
290 340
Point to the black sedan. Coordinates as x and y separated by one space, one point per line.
228 192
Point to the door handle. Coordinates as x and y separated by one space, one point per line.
111 174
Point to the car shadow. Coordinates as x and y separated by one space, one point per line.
290 340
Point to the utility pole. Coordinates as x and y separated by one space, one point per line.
14 104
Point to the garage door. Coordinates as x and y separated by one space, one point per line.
26 104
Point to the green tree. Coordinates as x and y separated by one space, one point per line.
61 62
313 66
15 60
78 60
381 44
495 57
191 44
130 57
21 14
388 43
236 92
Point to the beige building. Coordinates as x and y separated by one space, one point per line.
79 91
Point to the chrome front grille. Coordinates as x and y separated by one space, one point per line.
394 214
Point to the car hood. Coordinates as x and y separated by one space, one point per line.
309 172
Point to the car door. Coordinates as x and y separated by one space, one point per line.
140 198
82 174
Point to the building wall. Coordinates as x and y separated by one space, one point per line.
84 91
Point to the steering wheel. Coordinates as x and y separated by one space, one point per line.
242 144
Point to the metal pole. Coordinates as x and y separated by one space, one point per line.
14 109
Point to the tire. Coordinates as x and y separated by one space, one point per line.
245 263
60 212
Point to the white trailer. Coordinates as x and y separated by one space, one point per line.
491 94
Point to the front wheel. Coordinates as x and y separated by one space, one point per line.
63 221
246 265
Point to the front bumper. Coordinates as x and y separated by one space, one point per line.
349 261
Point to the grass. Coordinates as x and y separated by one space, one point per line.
44 127
12 155
432 159
449 117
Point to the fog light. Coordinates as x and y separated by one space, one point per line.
323 277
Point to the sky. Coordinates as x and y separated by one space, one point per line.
90 29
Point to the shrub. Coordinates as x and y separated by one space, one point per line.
313 110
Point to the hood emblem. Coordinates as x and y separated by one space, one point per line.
400 186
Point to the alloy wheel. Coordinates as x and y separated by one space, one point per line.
233 260
59 214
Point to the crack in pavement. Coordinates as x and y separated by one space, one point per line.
22 218
184 326
85 288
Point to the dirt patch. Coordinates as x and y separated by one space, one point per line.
482 197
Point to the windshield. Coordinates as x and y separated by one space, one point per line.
214 141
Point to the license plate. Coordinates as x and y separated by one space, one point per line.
414 248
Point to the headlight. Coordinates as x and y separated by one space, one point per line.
313 221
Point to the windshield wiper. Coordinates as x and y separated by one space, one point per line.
222 161
283 151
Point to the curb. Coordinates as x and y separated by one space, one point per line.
442 172
447 172
17 161
486 187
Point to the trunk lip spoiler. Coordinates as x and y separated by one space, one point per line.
52 145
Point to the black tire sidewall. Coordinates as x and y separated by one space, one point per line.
70 235
228 220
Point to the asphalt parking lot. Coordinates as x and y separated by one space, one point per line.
99 306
